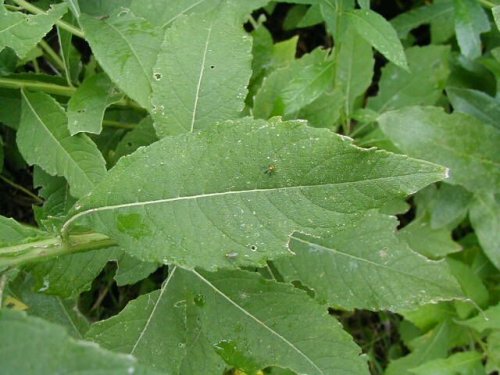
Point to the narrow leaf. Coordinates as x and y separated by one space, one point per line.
126 47
43 127
470 21
207 208
22 32
202 73
466 363
89 102
379 33
45 348
365 266
460 142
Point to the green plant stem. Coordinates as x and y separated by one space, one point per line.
49 88
52 54
32 252
487 3
52 88
38 200
63 25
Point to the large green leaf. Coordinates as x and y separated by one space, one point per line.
43 139
32 346
22 32
163 13
379 33
365 266
462 143
126 47
202 73
89 102
487 319
210 205
423 86
250 322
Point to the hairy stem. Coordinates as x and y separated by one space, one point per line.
17 255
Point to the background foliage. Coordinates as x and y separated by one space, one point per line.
248 187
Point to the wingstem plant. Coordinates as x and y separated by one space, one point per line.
182 196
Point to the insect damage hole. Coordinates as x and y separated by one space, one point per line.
157 76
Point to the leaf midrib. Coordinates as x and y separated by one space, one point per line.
210 195
371 263
258 321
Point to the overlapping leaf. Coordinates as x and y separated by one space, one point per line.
126 46
250 322
33 346
365 266
89 102
44 140
210 205
22 32
197 82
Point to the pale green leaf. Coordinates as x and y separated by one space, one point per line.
22 32
250 322
433 345
306 86
485 219
202 73
407 21
131 270
446 205
470 21
379 33
126 46
475 103
354 70
325 111
487 319
365 266
423 86
471 284
212 206
269 100
466 363
89 102
432 243
443 25
43 127
312 17
163 14
32 346
460 142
